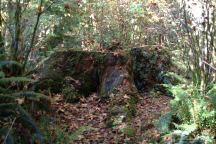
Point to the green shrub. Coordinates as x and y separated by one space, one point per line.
70 94
129 131
57 134
14 98
195 112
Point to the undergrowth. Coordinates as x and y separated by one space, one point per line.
192 117
57 133
17 104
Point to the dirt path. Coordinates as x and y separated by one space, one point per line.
91 112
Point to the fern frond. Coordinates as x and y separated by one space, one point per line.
4 63
2 74
212 95
22 116
27 121
164 122
7 109
7 106
42 101
212 91
4 90
177 91
187 128
31 95
3 133
15 79
7 98
175 76
78 132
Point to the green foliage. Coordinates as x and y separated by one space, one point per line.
10 68
194 111
164 122
14 110
149 66
2 75
172 78
74 136
3 132
14 98
129 131
57 134
211 94
70 94
5 63
4 81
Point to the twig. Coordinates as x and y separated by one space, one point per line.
9 130
209 65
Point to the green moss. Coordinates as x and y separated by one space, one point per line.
102 94
109 123
70 94
148 64
115 110
130 108
129 131
100 58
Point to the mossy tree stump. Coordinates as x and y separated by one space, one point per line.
109 74
101 72
88 72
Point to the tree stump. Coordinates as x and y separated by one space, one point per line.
114 76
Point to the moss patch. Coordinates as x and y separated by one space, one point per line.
70 94
148 64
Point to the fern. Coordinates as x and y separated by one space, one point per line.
78 132
15 110
15 79
11 68
171 78
5 63
195 110
164 122
4 133
2 74
212 95
41 102
5 90
7 98
31 95
176 76
27 120
10 106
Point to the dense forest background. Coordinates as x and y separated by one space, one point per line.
117 58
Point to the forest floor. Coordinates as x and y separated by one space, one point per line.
91 112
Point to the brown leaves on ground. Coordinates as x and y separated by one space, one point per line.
149 109
91 112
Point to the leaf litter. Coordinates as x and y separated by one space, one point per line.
91 112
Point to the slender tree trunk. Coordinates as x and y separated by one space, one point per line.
40 11
16 40
1 25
